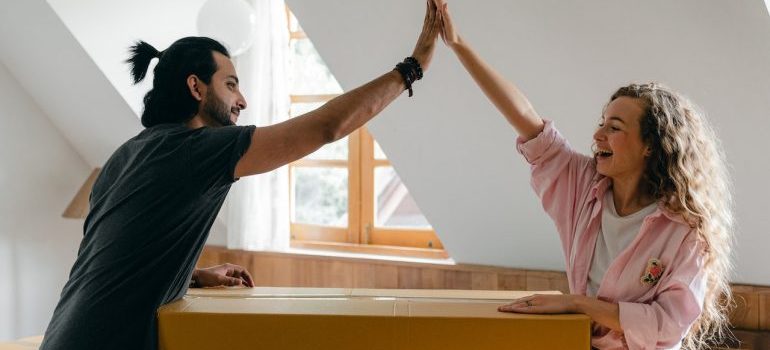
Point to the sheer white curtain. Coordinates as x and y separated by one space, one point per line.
258 206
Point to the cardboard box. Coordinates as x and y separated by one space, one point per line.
338 318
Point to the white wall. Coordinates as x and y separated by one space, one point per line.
63 80
120 24
62 114
453 150
39 173
456 153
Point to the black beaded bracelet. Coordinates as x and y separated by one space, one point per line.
416 65
411 71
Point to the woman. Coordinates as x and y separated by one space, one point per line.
645 223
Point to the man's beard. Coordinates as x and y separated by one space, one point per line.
217 110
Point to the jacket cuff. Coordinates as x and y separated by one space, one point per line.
533 149
639 325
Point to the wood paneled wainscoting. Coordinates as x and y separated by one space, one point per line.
299 270
750 316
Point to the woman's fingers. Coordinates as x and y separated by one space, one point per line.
525 304
512 307
449 30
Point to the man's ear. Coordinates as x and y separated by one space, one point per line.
195 86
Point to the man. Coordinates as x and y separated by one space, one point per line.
158 194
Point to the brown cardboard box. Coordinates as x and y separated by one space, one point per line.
321 318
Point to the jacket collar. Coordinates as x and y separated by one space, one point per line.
603 183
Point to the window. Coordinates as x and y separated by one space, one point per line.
347 196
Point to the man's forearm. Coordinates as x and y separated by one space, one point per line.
353 109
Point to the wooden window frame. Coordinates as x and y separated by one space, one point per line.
361 235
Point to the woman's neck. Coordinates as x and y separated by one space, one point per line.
628 196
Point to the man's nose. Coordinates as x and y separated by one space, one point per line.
241 103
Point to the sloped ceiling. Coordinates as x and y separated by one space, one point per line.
452 149
53 67
457 154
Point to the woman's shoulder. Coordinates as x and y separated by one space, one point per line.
683 231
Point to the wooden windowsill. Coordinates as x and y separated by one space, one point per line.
388 252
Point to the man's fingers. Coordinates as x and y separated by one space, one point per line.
249 282
232 281
436 21
433 25
431 14
242 275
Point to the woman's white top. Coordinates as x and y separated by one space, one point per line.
615 234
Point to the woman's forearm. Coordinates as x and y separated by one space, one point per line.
508 99
604 313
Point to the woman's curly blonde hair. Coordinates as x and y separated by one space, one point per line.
688 172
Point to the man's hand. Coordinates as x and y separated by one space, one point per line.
426 43
222 275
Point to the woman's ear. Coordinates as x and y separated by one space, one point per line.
194 85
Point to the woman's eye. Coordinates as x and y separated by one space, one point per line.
601 125
614 128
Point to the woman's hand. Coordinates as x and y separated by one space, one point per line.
448 31
543 304
426 43
222 275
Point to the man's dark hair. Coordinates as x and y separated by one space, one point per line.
169 100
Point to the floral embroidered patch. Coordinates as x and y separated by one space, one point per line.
653 272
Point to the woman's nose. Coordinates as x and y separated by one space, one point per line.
598 134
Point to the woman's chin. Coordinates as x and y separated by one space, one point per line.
601 170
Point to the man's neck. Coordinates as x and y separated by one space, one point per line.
199 121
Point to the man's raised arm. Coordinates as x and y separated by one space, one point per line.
276 145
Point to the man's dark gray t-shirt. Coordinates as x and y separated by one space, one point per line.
151 210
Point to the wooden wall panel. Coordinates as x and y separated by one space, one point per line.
512 280
745 315
483 280
752 310
764 310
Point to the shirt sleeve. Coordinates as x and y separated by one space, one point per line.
665 321
560 177
214 153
